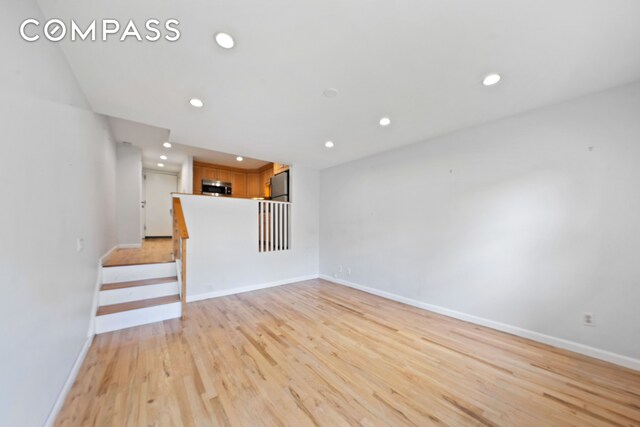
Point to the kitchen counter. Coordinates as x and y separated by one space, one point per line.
221 197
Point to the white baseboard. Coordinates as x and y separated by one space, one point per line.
51 419
225 292
109 252
586 350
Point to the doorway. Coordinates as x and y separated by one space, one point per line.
158 203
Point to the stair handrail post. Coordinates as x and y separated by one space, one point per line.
180 237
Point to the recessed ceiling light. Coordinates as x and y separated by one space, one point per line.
195 102
385 121
167 145
224 40
328 144
331 92
239 158
491 79
161 165
163 157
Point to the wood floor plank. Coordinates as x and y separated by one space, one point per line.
152 251
318 354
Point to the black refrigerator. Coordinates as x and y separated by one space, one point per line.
280 187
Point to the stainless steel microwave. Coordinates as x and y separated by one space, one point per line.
216 188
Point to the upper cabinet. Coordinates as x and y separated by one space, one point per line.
198 176
211 174
223 175
279 167
239 183
265 182
253 184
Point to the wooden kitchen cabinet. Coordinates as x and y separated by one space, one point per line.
210 174
253 185
198 176
265 181
239 184
223 175
279 167
244 183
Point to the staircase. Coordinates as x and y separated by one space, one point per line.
133 295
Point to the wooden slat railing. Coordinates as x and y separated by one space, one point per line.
274 219
180 237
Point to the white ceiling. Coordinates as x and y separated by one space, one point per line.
419 62
150 139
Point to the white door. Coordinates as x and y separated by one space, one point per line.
158 189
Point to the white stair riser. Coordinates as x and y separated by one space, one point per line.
141 316
128 273
116 296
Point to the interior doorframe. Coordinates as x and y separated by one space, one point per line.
143 199
143 202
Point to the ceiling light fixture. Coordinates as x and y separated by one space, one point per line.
328 144
224 40
195 102
239 158
167 145
161 165
491 79
385 121
163 157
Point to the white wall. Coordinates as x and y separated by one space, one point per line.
517 221
58 175
222 251
129 194
186 176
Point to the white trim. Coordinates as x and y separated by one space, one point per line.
96 293
160 172
62 396
586 350
179 276
136 293
137 317
225 292
105 256
125 273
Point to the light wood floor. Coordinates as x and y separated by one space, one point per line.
318 354
153 250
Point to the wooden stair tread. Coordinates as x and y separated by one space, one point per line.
134 305
134 283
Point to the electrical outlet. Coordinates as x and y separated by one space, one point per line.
349 271
588 319
79 244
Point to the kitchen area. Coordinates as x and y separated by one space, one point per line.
235 206
267 182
